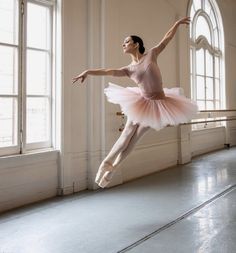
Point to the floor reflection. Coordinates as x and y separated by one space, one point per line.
208 182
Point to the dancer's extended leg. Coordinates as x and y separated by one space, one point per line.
140 131
121 144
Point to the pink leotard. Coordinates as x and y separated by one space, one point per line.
150 104
146 74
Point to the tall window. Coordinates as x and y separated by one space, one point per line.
207 52
26 53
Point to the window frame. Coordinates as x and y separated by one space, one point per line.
22 147
45 144
13 149
216 52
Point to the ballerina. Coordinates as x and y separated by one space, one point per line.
147 106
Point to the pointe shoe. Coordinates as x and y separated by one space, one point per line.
105 180
102 169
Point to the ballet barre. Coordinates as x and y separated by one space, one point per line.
208 121
206 113
207 116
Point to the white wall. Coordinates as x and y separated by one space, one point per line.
108 23
92 34
27 178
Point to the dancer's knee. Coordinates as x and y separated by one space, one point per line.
129 130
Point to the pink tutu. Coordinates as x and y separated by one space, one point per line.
173 109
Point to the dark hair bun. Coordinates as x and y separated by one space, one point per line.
142 49
138 40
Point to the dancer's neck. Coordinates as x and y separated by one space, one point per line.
136 57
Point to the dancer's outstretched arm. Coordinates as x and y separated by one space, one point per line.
99 72
170 34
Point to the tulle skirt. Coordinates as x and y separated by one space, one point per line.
173 109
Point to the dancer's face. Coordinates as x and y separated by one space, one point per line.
129 46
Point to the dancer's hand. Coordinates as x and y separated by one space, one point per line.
185 20
82 76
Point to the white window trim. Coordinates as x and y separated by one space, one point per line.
202 43
54 142
14 149
47 144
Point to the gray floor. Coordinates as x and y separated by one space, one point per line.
188 209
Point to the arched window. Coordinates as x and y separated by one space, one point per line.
207 54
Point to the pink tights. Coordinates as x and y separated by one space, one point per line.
131 134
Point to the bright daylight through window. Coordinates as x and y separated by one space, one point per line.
26 57
206 56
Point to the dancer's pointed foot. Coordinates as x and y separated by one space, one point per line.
104 167
106 178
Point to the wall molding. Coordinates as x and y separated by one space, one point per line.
28 159
154 145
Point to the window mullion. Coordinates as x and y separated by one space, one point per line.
205 78
23 75
220 62
214 83
194 73
203 4
20 73
51 77
39 50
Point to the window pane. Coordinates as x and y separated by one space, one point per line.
209 64
213 19
217 89
8 70
191 61
200 62
201 105
38 26
192 12
9 21
37 120
209 88
217 105
8 122
200 88
38 73
217 67
207 7
197 4
202 28
216 38
209 105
